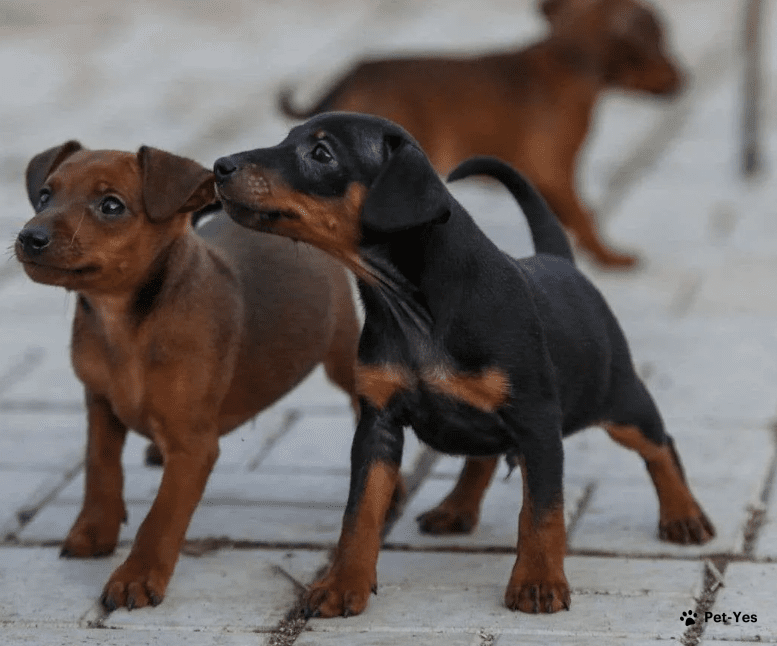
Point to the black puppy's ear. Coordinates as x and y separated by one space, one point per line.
407 193
43 164
173 184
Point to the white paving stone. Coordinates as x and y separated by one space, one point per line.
748 589
38 440
314 520
21 490
40 588
45 636
381 638
455 592
238 590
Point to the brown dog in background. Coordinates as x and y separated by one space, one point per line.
531 108
181 336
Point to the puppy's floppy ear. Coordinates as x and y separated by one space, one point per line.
407 193
173 184
43 164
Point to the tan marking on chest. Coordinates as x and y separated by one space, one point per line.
379 383
487 391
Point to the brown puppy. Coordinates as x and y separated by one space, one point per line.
531 108
181 336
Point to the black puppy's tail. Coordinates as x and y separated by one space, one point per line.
546 230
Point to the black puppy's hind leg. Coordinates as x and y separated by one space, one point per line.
636 424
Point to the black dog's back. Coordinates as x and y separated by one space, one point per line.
567 304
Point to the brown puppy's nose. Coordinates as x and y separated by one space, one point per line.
223 168
33 240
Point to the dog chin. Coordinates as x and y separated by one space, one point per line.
59 276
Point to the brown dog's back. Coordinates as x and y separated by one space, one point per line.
531 107
287 330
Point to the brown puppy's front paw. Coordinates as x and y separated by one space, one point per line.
446 520
135 585
534 596
694 530
338 596
91 537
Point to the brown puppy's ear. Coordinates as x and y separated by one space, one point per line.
43 164
173 184
407 193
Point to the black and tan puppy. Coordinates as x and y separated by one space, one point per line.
481 354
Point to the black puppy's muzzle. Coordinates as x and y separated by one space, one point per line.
33 240
223 169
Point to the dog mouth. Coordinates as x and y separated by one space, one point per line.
254 217
32 265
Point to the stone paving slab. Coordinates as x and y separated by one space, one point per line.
748 589
236 590
381 638
41 589
710 368
269 522
20 490
45 636
451 593
41 440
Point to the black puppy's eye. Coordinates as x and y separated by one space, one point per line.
43 198
111 206
321 154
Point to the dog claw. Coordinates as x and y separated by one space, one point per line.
108 603
374 589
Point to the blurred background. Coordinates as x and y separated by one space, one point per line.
201 78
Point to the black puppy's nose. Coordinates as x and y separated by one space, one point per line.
34 240
223 168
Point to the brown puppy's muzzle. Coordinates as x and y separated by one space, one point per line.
31 242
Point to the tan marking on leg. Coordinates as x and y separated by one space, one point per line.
346 588
681 519
487 391
459 512
379 383
538 582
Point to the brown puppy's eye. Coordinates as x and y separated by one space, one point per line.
43 198
111 206
321 154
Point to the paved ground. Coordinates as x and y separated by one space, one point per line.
200 79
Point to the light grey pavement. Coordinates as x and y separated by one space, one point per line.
701 314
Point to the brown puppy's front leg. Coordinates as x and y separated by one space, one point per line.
375 458
189 455
459 512
96 530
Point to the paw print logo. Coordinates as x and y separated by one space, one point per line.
689 617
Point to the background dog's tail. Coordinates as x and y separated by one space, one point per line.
288 108
547 233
